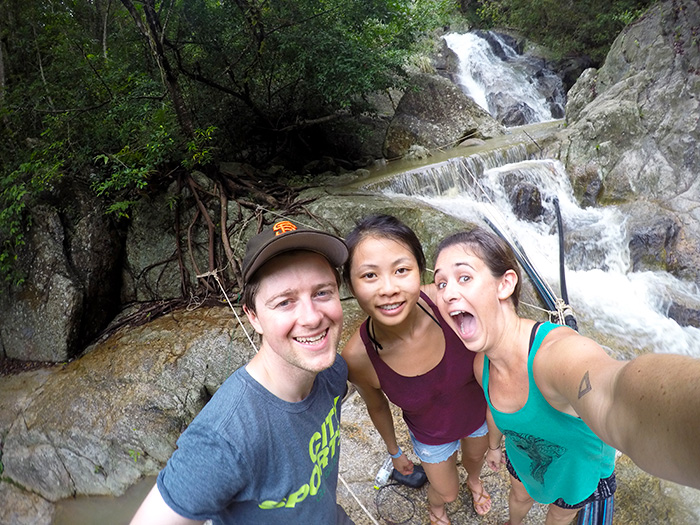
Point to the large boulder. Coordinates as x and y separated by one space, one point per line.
98 424
436 114
71 291
634 122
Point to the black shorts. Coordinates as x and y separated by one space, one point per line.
606 488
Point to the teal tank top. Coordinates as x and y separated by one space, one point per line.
555 454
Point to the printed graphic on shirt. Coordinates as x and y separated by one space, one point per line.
540 451
322 450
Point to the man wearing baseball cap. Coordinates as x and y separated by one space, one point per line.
265 448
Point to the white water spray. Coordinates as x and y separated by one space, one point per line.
628 307
500 86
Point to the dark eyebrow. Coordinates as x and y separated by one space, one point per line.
398 260
456 265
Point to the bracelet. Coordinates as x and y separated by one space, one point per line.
497 448
397 455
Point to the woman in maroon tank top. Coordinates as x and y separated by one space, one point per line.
405 352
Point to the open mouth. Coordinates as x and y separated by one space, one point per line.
311 340
464 322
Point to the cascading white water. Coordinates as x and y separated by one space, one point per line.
516 82
628 307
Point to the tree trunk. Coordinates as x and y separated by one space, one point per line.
104 20
3 82
153 32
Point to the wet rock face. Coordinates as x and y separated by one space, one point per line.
527 202
71 290
635 120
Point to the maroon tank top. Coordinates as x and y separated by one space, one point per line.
444 404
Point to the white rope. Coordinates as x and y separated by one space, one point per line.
357 500
536 307
214 273
557 316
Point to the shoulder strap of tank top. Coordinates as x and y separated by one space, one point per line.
533 333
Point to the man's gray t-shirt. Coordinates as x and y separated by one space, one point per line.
250 457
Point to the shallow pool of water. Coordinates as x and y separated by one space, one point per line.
103 510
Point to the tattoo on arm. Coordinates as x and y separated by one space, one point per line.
585 386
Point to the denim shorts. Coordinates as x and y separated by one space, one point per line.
440 453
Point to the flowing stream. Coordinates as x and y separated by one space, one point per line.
628 309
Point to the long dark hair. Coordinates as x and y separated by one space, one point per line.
386 226
490 248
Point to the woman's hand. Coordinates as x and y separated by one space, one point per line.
403 464
495 458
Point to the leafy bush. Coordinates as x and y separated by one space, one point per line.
570 27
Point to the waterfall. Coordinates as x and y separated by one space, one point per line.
627 308
514 88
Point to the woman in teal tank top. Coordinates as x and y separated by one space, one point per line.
562 403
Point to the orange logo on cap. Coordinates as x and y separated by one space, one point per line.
283 227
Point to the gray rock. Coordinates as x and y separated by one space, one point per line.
101 422
436 114
71 258
23 508
653 235
41 318
634 123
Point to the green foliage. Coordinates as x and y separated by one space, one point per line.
17 190
85 96
130 168
199 152
279 63
583 27
134 454
12 221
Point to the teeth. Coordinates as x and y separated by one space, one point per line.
390 306
308 340
454 314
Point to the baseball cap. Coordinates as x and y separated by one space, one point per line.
285 236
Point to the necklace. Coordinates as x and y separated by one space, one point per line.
372 337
